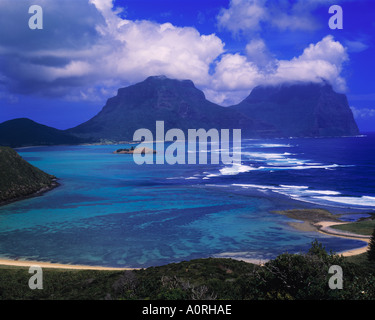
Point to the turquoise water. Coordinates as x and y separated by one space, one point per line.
109 211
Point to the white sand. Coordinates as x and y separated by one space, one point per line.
325 228
24 263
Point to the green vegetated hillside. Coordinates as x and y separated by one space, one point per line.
363 226
18 178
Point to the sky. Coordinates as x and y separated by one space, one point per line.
63 74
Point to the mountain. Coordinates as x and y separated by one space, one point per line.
286 110
177 102
19 179
24 132
301 110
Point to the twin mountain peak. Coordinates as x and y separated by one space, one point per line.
287 110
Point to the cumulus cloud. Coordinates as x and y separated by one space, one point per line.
44 60
257 52
321 61
243 15
87 51
99 48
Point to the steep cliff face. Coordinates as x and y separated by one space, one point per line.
178 103
301 110
288 110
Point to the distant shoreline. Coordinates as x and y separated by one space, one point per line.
126 142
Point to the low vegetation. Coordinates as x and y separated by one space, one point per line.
363 227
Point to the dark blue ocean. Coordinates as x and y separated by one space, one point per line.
110 211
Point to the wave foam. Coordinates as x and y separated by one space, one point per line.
270 145
236 169
303 167
293 187
364 201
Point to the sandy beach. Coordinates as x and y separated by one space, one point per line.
24 263
325 228
320 220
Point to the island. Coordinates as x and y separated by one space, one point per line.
137 150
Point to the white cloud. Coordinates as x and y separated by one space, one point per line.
152 49
103 51
243 15
143 48
363 113
327 50
117 52
258 53
233 79
235 72
321 61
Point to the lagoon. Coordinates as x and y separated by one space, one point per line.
112 212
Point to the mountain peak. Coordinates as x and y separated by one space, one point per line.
176 102
301 109
20 120
289 90
160 77
165 79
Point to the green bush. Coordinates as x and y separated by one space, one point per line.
371 250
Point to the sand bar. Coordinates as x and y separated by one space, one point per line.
325 228
320 220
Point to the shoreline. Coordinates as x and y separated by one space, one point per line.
311 220
54 184
323 227
320 220
51 265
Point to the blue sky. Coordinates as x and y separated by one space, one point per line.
63 75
